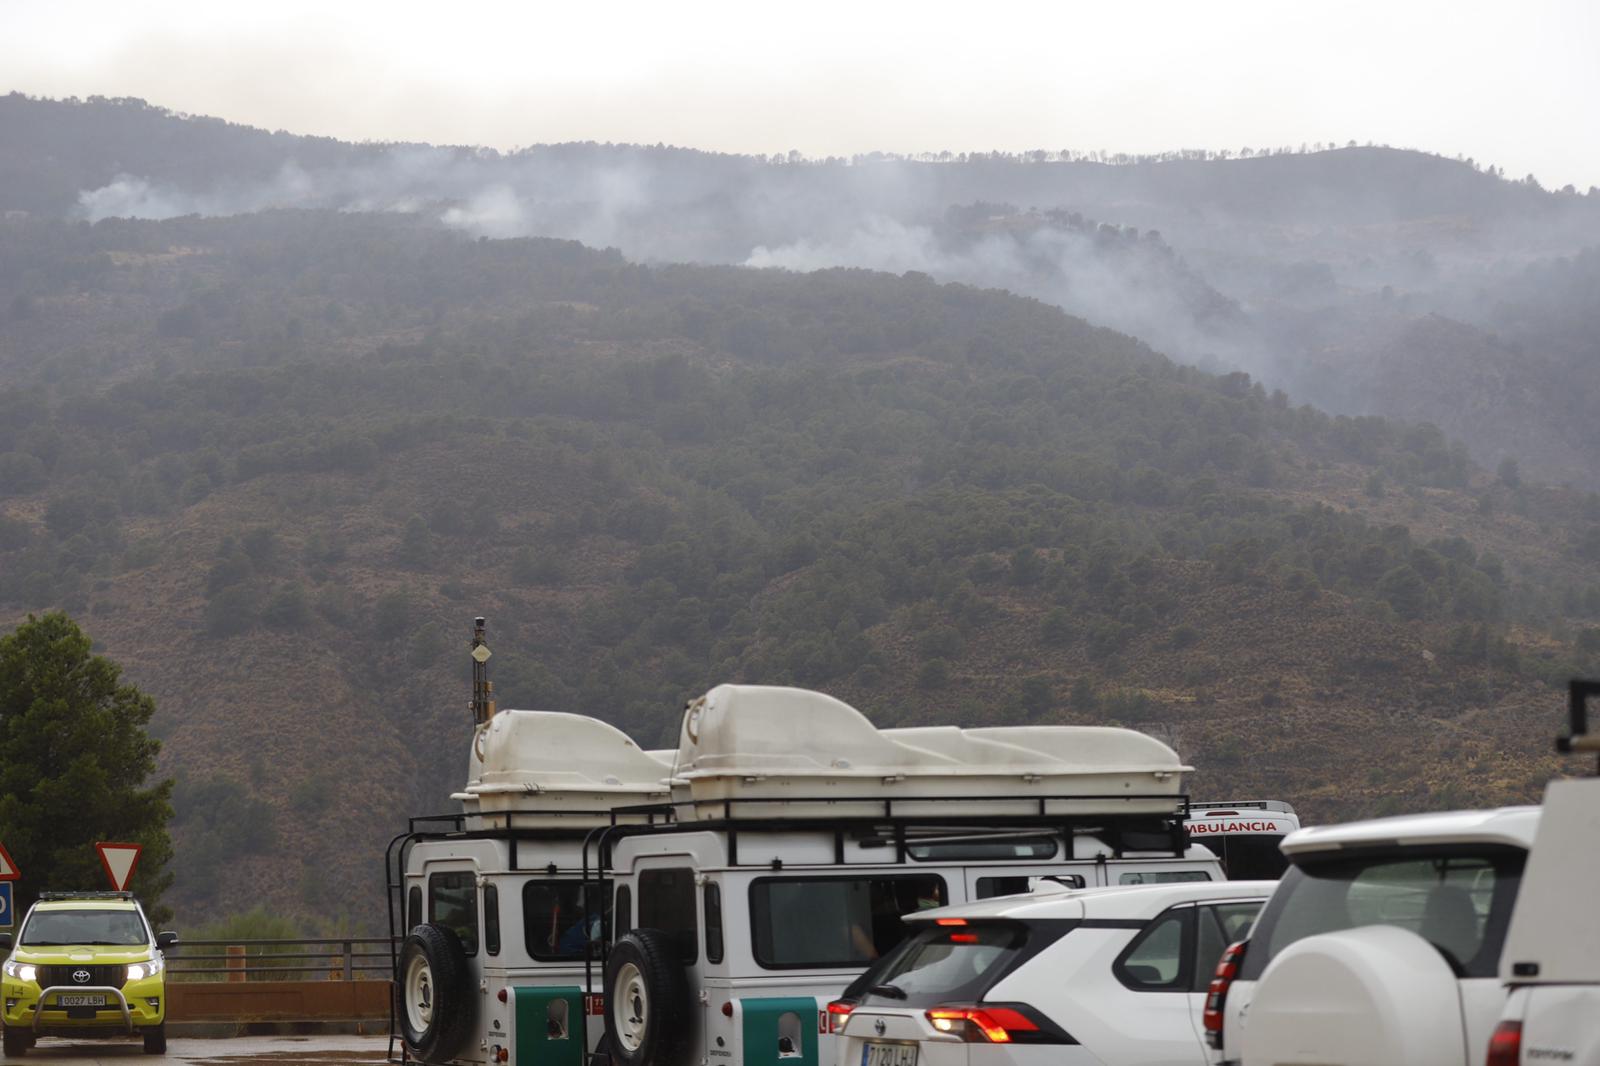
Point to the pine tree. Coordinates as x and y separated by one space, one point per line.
74 761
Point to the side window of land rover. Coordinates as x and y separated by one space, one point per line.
622 913
806 921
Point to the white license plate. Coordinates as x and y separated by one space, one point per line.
889 1055
81 1000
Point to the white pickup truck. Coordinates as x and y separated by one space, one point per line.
1551 962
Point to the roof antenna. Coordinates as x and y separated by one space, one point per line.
1580 740
483 707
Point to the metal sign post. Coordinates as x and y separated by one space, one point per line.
483 707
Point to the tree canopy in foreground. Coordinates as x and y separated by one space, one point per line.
75 762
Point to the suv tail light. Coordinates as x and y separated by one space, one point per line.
1217 993
838 1013
997 1023
1505 1046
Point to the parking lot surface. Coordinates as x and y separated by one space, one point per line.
240 1051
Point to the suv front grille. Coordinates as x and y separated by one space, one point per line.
114 976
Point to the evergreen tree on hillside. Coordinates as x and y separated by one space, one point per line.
74 764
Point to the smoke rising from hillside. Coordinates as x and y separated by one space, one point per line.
1310 272
884 218
1129 283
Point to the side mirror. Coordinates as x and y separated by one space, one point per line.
166 940
5 941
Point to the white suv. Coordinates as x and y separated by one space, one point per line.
1060 976
1381 944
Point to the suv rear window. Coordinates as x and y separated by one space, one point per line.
948 964
1457 898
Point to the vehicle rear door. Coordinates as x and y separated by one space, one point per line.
1216 926
1154 980
1561 1024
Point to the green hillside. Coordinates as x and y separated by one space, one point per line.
276 463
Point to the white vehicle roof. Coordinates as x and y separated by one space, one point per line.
548 767
1506 825
1554 938
1114 901
753 750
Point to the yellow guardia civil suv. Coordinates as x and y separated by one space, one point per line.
85 964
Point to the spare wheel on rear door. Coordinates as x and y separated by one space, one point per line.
1373 996
648 1019
434 995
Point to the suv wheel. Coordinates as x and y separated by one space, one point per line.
155 1040
16 1042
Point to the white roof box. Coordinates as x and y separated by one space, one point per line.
752 751
558 770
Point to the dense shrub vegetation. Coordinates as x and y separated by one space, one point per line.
308 435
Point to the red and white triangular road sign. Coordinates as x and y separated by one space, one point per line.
119 861
8 868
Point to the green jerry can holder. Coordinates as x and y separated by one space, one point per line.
550 1026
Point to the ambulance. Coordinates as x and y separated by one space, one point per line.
1245 835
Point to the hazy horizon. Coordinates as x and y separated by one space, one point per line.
1449 78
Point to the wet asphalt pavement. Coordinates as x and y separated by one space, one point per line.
190 1051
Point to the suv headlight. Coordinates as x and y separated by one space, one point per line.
140 970
22 971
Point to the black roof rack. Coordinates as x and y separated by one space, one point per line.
85 895
1123 832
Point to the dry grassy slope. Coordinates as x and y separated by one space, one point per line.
1267 703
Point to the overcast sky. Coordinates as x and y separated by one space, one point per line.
1516 84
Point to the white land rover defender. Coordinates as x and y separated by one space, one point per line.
706 904
798 835
498 917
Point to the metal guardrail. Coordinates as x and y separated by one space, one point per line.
331 958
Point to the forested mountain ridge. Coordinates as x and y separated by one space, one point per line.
61 148
1359 279
276 462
